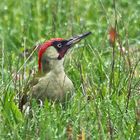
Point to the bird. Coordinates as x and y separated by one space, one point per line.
54 85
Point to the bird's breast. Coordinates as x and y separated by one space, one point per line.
53 87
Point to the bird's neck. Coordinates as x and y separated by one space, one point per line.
59 69
55 68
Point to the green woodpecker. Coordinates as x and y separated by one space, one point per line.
55 84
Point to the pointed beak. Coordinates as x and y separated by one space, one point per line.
70 42
74 40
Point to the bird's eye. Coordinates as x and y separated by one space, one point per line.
59 45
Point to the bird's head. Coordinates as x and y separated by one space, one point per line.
52 51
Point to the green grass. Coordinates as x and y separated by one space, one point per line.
107 99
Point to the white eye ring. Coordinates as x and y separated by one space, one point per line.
59 45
